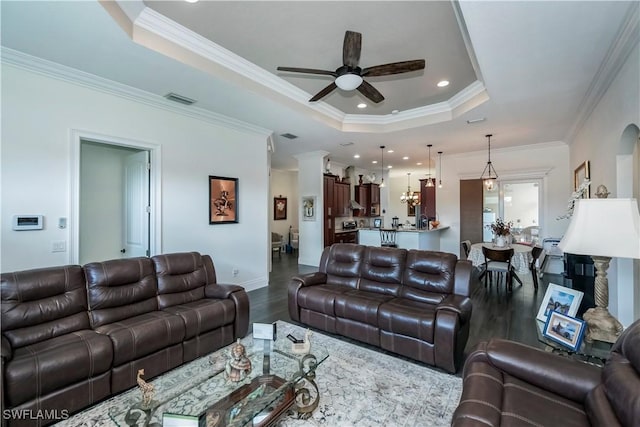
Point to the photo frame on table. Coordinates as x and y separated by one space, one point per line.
223 200
581 173
559 299
279 208
308 208
565 330
377 223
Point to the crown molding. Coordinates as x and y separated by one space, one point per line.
157 32
627 38
80 78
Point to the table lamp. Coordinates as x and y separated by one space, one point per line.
603 229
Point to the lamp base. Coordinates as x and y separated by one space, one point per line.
601 325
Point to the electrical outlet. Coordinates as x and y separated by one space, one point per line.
59 246
235 272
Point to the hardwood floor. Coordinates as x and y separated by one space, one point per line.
496 313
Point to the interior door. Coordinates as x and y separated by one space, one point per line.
136 205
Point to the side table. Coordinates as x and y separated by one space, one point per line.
596 352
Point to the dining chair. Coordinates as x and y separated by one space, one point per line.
535 254
388 238
465 245
498 261
276 243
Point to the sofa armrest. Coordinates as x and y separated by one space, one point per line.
548 371
310 279
458 304
462 285
241 300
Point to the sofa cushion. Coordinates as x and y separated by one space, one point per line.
407 317
204 315
141 335
120 289
43 303
320 298
342 263
382 270
360 305
181 278
429 276
46 366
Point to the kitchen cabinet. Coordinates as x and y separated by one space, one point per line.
368 196
342 191
428 200
329 210
347 237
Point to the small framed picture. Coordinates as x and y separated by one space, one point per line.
581 173
223 200
559 299
377 223
565 330
309 208
279 208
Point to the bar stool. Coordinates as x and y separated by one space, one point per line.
388 238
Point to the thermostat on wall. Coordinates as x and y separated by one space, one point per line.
28 222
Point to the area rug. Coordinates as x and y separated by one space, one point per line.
358 387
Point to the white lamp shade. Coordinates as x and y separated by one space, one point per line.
349 81
604 227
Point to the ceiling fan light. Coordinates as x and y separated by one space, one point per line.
348 81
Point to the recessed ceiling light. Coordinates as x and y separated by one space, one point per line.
395 112
389 167
405 158
419 163
389 151
191 1
443 83
356 156
374 162
362 105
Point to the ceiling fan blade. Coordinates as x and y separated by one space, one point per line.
308 71
394 68
370 92
351 49
324 92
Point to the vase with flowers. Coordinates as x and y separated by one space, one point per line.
501 229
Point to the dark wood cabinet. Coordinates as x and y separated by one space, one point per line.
342 191
348 237
329 209
427 200
368 196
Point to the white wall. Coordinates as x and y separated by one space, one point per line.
599 142
38 115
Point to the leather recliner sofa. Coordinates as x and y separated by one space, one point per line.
410 302
72 335
511 384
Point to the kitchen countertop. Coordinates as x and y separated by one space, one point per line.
409 230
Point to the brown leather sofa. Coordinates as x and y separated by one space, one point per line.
410 302
511 384
72 336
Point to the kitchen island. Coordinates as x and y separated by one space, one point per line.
406 238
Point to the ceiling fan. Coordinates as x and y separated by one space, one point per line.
350 76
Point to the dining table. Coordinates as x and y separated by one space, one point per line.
521 260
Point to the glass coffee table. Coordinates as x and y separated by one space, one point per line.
280 381
596 352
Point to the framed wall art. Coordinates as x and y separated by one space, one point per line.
223 200
279 208
581 174
565 330
309 208
559 299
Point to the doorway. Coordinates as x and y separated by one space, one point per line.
516 201
114 198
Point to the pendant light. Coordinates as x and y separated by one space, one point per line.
411 198
430 182
382 165
487 176
440 168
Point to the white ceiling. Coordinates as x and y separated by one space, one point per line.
536 66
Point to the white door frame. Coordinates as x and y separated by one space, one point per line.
155 151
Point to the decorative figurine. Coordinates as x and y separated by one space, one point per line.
148 390
239 366
303 347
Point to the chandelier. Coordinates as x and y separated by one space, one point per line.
430 181
411 198
487 176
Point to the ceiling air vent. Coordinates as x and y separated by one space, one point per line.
179 98
346 144
289 136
